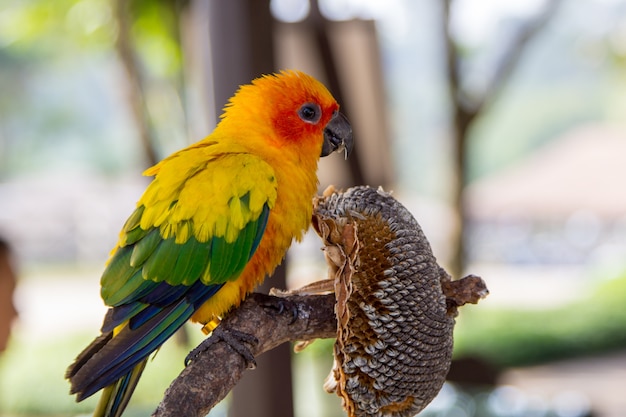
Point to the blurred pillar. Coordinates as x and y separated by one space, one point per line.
238 38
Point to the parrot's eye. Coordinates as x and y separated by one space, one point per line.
310 113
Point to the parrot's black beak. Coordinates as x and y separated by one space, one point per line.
338 136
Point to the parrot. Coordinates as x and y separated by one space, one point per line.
216 219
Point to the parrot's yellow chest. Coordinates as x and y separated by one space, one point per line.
288 220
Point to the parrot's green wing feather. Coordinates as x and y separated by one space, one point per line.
211 226
132 232
145 246
192 261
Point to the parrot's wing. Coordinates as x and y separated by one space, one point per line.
203 226
194 229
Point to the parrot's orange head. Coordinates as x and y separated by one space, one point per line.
292 110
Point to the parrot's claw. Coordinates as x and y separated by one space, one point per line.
233 338
278 306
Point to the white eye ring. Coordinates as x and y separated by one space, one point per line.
310 113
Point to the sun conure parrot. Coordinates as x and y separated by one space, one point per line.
217 218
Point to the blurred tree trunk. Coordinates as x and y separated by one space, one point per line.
135 94
465 108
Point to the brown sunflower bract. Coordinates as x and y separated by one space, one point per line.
395 305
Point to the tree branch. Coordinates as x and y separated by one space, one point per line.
470 108
451 54
135 92
513 54
210 376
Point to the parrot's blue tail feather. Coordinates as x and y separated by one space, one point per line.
115 397
115 360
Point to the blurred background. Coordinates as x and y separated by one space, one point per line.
500 125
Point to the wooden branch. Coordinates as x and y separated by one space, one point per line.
209 377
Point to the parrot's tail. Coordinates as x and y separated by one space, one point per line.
115 397
114 361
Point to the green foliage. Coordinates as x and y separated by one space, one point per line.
514 337
64 86
155 34
35 28
39 28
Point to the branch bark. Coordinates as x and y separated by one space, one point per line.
212 375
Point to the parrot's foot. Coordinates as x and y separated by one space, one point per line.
234 338
278 306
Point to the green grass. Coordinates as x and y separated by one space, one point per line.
514 337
